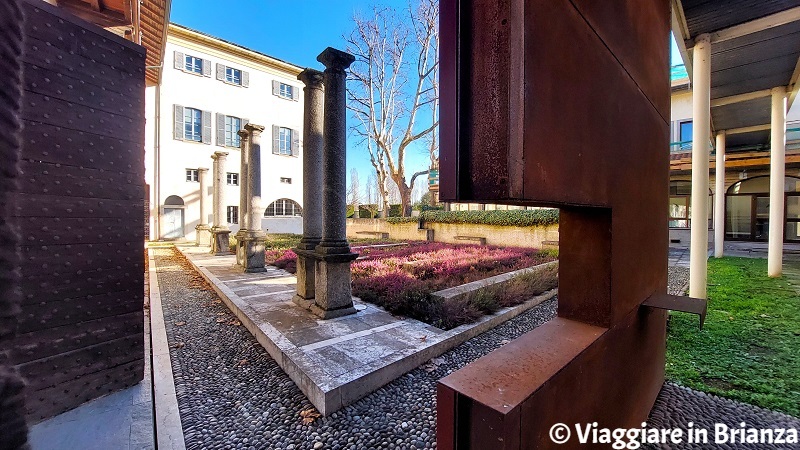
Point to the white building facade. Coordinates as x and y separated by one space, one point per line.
209 90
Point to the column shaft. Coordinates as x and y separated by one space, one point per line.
220 221
244 146
255 210
701 134
777 172
202 175
719 197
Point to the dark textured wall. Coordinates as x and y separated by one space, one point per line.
79 210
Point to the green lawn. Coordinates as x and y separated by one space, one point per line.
749 349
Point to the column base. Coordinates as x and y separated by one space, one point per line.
252 245
306 280
333 296
239 249
339 247
220 241
203 235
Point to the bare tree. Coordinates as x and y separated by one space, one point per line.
354 193
392 81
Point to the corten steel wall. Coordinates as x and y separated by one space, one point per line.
79 209
563 103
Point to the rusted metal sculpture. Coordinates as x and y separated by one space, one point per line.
563 103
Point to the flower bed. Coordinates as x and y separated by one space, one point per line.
402 278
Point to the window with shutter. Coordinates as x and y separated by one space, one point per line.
231 131
206 68
245 78
285 141
179 60
192 124
220 72
295 142
221 129
206 127
276 86
276 140
179 122
296 94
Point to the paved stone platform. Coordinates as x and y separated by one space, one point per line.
338 361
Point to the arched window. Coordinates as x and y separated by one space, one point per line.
173 200
283 207
747 209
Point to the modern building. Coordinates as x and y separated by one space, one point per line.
747 168
208 90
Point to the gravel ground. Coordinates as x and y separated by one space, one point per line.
677 280
232 394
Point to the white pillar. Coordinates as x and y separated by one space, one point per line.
202 175
701 133
719 197
777 171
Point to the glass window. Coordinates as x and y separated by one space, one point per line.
194 64
285 141
192 124
233 179
738 218
286 90
283 207
233 214
192 175
233 75
232 127
686 134
286 180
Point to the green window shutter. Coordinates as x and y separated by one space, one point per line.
206 127
220 72
245 78
221 130
180 60
178 122
295 142
276 140
206 68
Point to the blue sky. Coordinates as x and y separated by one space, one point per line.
295 32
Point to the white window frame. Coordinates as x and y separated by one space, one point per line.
280 205
192 118
192 176
231 75
285 141
231 136
192 64
286 180
232 178
232 214
286 91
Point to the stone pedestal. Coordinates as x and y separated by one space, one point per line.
333 294
220 241
306 267
251 246
202 235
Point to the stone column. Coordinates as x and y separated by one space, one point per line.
219 232
777 176
312 185
254 238
719 197
244 147
333 295
701 134
203 229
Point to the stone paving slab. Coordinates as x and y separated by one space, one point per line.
334 362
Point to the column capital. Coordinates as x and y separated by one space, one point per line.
704 38
202 169
243 133
312 78
336 60
778 90
221 156
254 129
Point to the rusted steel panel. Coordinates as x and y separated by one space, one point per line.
79 212
582 122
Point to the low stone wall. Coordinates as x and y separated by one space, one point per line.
494 282
538 236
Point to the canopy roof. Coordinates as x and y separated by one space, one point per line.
755 46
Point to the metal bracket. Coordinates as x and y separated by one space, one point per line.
681 303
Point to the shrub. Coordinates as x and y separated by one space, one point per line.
395 211
402 219
517 218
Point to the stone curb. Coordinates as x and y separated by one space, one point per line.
169 430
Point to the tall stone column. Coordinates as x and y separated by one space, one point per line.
203 229
244 146
254 238
701 134
333 295
220 232
313 114
777 176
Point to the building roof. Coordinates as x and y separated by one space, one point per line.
755 46
231 47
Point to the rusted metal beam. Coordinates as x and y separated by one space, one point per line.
680 303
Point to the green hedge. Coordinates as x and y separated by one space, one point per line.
514 218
